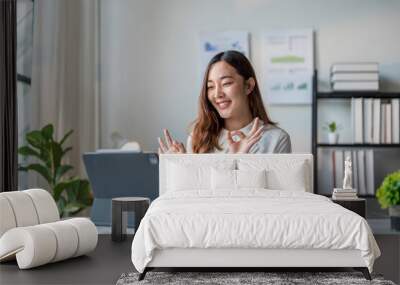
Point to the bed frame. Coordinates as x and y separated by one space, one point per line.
248 259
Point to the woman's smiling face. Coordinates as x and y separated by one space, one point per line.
226 90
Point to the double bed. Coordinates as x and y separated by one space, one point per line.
246 211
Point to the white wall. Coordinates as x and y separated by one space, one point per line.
150 56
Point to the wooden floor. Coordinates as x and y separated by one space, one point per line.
103 266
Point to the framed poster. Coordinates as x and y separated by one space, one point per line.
288 66
215 42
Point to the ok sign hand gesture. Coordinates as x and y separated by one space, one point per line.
245 142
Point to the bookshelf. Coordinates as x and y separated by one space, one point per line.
316 145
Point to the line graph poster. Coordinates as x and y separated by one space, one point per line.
288 66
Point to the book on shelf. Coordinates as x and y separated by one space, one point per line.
361 172
367 108
355 76
376 114
344 196
355 67
388 123
396 120
345 191
369 172
355 85
357 119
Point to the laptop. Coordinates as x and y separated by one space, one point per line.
119 174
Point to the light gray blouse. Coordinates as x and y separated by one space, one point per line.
273 140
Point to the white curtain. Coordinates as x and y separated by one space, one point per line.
65 72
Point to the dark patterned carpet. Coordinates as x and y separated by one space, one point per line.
228 278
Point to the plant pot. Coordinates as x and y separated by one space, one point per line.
333 138
394 213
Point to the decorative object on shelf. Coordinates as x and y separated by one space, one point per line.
388 195
333 135
71 194
347 183
347 192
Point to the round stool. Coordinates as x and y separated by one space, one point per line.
120 207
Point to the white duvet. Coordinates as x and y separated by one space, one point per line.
251 218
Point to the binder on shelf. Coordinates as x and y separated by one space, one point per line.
388 123
376 114
383 124
357 120
361 172
368 116
396 120
355 169
369 172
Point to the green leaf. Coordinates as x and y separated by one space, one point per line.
66 136
60 187
66 150
27 151
73 207
36 139
42 170
55 155
47 132
22 168
62 169
61 206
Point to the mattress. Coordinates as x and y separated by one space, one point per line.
250 219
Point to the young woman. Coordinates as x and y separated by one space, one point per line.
231 116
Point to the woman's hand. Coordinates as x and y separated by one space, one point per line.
245 142
170 145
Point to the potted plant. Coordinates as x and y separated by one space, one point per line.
388 195
71 194
333 136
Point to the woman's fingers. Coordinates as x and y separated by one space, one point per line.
229 138
238 133
160 151
163 147
168 138
182 148
254 128
258 132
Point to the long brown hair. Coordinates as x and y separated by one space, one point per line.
208 124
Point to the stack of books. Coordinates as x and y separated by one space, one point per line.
344 194
356 76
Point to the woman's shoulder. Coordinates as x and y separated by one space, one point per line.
274 140
273 130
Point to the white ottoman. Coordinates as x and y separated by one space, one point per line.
31 232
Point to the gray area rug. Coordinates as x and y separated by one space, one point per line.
228 278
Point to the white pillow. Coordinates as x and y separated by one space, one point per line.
223 179
184 175
237 179
251 178
293 178
281 174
